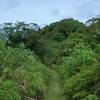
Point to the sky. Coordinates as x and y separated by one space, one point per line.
47 11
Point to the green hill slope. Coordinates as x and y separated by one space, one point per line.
59 62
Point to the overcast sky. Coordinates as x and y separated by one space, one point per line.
47 11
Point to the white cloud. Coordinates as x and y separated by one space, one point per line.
47 11
55 12
12 4
88 9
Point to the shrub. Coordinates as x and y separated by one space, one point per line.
9 91
24 68
72 64
85 80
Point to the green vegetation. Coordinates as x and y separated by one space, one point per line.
59 62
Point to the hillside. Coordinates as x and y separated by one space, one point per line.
59 62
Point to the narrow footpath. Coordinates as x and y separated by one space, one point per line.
54 91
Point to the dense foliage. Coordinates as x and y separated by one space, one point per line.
59 62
